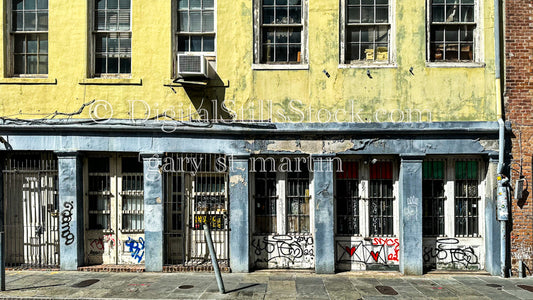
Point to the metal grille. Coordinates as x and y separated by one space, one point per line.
347 197
433 198
380 199
196 194
132 195
298 200
31 208
265 197
466 198
190 63
99 193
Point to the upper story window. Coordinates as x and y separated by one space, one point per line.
196 26
112 38
453 28
280 33
29 37
366 31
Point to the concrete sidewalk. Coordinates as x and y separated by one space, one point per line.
261 285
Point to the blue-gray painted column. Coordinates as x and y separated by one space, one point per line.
239 214
153 211
411 260
324 222
492 226
71 210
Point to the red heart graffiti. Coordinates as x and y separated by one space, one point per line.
375 255
350 251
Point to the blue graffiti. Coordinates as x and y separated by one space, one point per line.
136 248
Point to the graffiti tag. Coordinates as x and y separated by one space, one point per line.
136 248
97 244
379 251
448 251
287 247
66 218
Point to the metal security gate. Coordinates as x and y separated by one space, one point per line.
196 188
31 210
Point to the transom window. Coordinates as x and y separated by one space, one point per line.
196 26
112 37
452 29
29 34
281 32
366 31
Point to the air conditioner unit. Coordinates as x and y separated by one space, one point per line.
192 65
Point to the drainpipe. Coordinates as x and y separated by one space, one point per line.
502 200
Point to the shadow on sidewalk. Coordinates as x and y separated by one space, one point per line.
34 287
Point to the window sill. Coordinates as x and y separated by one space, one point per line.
111 81
29 81
368 66
455 65
280 67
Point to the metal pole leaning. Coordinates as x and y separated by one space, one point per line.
2 262
214 261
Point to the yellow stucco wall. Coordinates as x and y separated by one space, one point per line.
450 94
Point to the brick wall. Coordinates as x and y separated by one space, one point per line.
519 110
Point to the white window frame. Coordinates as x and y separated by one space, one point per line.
304 57
10 44
390 63
91 8
478 52
282 201
209 55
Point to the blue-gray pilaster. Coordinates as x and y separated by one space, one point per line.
239 218
411 261
492 226
153 211
324 223
71 208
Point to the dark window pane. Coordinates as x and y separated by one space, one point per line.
437 13
295 15
32 64
30 21
268 54
43 64
43 44
281 2
100 20
32 43
42 21
18 21
382 14
100 4
452 52
281 37
42 4
20 64
112 65
194 4
282 15
18 4
112 20
208 3
295 36
208 21
184 21
100 65
112 44
209 43
452 35
112 4
125 65
195 22
183 43
354 14
124 20
281 53
268 15
20 41
452 13
367 14
467 13
196 43
125 4
294 53
29 4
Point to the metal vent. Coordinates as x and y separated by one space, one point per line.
192 65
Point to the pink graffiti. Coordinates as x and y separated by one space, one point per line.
390 243
110 238
97 244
